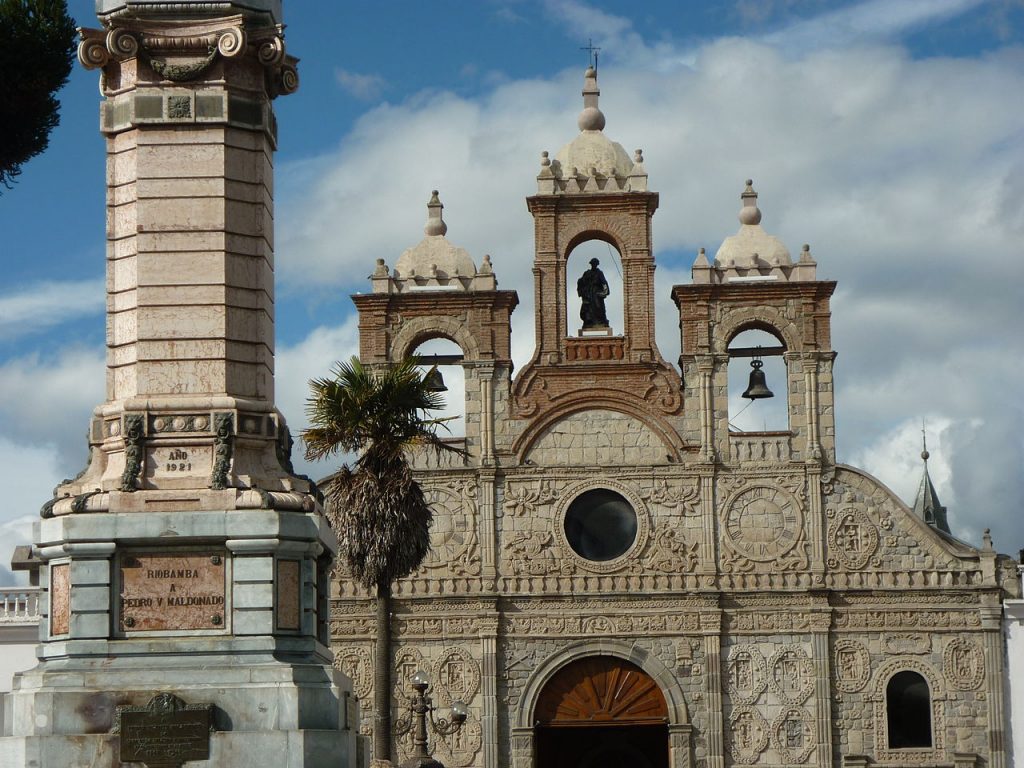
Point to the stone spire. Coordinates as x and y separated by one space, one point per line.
752 254
927 505
591 163
591 118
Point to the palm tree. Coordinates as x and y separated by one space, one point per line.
376 507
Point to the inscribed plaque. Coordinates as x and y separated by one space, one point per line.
289 583
167 592
165 733
60 599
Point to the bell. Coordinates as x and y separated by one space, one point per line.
434 381
757 389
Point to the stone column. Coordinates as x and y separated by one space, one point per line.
186 559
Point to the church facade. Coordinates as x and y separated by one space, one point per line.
620 577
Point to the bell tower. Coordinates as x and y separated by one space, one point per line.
753 284
593 190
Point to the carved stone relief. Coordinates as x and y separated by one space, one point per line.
456 676
793 735
685 499
408 661
669 552
963 664
459 749
534 553
748 734
357 664
763 523
792 675
746 674
852 538
523 499
852 665
907 642
453 535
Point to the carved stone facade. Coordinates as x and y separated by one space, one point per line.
772 594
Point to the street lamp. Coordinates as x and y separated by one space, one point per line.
415 720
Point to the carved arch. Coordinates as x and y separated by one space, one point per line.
767 319
594 401
650 664
906 664
577 232
420 329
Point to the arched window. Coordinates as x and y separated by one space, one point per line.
610 265
764 414
454 377
908 706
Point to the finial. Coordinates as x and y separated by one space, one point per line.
545 161
638 157
986 540
591 118
749 213
381 270
924 443
435 224
486 267
805 253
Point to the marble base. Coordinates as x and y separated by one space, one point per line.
266 712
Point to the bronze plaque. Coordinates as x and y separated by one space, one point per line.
60 599
168 592
165 733
289 584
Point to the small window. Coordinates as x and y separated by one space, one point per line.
909 710
600 525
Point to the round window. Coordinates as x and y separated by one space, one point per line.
600 525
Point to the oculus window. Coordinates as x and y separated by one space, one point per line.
600 525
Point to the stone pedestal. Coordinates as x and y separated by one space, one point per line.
186 568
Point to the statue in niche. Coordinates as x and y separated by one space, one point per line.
592 289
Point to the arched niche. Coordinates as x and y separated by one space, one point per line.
434 351
594 245
879 691
758 415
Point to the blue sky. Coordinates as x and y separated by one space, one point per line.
886 133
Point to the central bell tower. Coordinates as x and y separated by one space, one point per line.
592 190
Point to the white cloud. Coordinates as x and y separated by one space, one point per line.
870 21
44 305
311 358
37 469
365 87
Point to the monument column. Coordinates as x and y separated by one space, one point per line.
184 567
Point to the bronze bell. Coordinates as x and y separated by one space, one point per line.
433 381
757 389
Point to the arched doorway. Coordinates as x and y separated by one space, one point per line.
601 711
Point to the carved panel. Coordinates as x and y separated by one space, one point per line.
793 735
963 663
852 538
459 749
907 642
456 676
762 523
408 661
746 674
792 675
357 663
852 665
453 534
747 734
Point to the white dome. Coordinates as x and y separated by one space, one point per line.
592 149
434 256
751 247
